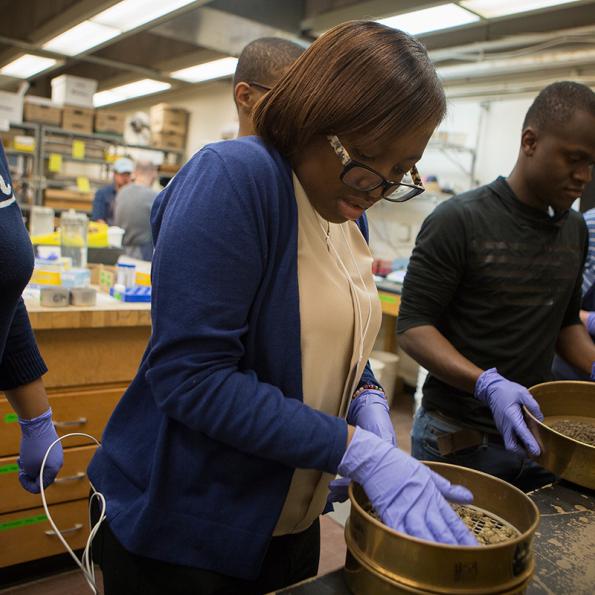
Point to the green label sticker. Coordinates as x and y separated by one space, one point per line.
18 523
12 468
389 299
10 418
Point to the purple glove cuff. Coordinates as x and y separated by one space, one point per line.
39 420
483 383
363 400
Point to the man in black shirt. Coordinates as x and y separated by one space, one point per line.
493 290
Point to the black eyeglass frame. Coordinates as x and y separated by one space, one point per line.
260 85
387 185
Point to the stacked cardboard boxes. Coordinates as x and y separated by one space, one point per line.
109 122
169 126
75 95
42 111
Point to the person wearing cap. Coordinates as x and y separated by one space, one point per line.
103 203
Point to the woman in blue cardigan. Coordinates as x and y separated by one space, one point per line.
254 391
21 364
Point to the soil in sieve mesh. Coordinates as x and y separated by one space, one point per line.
579 430
487 529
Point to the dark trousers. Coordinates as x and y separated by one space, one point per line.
289 559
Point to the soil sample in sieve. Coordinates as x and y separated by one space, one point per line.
487 529
579 430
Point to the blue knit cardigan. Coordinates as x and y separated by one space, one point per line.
198 455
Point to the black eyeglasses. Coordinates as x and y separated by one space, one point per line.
259 85
363 178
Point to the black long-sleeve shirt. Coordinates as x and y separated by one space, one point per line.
499 280
20 360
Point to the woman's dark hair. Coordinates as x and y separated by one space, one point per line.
360 78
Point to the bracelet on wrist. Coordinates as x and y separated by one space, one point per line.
366 387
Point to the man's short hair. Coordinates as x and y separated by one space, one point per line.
264 59
555 105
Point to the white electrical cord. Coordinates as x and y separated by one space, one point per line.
86 561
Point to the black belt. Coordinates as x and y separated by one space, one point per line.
453 442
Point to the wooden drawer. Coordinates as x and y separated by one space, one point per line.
71 483
73 411
23 534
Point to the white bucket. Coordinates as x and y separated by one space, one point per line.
390 371
114 236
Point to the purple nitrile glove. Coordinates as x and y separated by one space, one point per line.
407 495
369 410
506 399
591 324
593 371
36 436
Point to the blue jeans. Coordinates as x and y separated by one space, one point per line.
489 458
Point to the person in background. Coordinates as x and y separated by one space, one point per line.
255 390
260 65
133 211
560 369
493 289
103 202
21 364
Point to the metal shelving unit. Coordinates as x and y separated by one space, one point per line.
453 153
53 140
24 166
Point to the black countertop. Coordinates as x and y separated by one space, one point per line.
564 547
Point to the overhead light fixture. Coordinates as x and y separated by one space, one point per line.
498 8
129 91
110 23
27 66
444 16
130 14
80 38
208 71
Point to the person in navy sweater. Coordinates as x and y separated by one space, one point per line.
21 364
254 390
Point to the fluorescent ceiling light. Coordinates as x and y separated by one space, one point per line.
128 91
207 71
80 38
439 17
27 65
498 8
130 14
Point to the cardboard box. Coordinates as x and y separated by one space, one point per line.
42 111
11 108
168 140
109 122
77 119
68 199
169 119
73 90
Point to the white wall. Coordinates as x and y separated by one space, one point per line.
212 112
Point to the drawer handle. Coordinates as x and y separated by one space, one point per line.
81 421
77 527
76 477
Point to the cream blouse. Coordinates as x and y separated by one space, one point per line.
340 317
